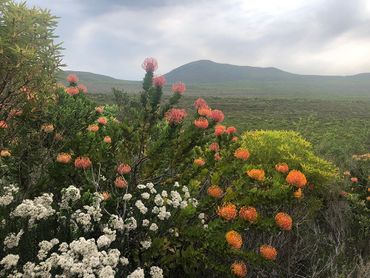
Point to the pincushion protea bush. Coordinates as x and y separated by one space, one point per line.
145 188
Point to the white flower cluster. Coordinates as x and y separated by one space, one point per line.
36 209
9 261
8 195
116 223
89 213
12 240
80 258
70 195
45 247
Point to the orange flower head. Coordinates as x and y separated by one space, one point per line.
3 124
248 213
234 139
123 169
354 180
120 182
242 154
215 191
239 269
368 198
47 128
93 128
72 91
204 111
107 139
256 174
199 162
234 239
105 195
102 120
82 162
268 252
296 178
99 109
5 153
298 194
284 221
231 130
64 158
227 211
219 130
201 123
282 168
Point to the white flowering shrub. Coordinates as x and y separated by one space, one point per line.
88 234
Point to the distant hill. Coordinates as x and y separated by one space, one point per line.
207 78
97 83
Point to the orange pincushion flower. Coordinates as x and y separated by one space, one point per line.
123 169
58 137
72 91
82 162
102 120
199 162
64 158
204 111
296 178
201 123
234 239
298 194
105 195
215 191
3 124
239 269
268 252
47 128
227 211
282 168
107 139
248 213
231 130
93 128
5 153
120 182
234 139
284 221
242 154
256 174
219 130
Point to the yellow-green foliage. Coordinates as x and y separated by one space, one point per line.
270 147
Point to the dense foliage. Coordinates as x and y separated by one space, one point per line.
145 188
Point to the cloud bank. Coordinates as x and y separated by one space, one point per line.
308 37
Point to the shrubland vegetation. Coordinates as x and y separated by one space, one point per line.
143 187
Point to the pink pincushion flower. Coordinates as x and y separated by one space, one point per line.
179 88
72 91
204 111
72 78
82 162
201 123
82 88
150 64
175 115
230 130
214 147
200 103
219 130
217 115
159 81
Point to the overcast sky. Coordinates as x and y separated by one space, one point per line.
113 37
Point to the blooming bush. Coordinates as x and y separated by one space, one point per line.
144 188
